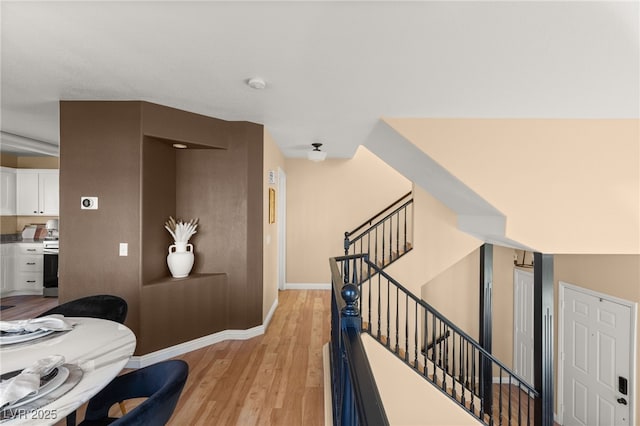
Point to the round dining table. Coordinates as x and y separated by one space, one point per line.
95 352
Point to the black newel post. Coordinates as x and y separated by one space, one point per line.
486 315
349 318
350 313
543 337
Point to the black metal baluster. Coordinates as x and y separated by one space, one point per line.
466 383
383 244
369 271
389 310
390 238
354 278
529 398
425 339
473 378
446 348
405 230
440 347
433 345
519 404
509 395
375 257
406 328
370 290
398 234
462 371
500 398
397 347
453 367
415 336
442 357
379 307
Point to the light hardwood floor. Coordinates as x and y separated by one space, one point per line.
273 379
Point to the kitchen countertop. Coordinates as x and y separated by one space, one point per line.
17 238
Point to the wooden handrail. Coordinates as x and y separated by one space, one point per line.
380 213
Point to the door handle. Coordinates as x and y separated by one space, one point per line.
622 401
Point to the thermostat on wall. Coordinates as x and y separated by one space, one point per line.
89 203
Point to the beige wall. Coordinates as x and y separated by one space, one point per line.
615 275
565 186
8 224
326 199
409 399
8 160
437 243
456 291
273 159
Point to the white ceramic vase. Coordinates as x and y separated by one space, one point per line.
180 259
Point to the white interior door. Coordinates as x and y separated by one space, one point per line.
523 324
595 356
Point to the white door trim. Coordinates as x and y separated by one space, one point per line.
632 339
281 220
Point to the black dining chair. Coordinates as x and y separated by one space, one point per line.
160 383
104 306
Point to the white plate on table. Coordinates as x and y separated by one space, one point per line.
50 386
9 338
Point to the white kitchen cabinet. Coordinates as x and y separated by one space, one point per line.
37 192
7 191
7 271
29 259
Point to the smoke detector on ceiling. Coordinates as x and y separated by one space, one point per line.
256 83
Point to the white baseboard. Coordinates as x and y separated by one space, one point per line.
307 286
201 342
272 311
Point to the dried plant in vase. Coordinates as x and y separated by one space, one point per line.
181 231
180 257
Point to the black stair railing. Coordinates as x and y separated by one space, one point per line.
385 236
437 349
355 397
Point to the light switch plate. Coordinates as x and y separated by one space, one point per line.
124 249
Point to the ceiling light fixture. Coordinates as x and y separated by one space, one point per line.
256 83
179 146
316 154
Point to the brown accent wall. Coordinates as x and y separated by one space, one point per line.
122 153
100 156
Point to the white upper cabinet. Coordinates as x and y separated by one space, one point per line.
7 191
38 192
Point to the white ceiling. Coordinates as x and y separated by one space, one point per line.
333 69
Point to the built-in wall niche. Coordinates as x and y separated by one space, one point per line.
162 186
